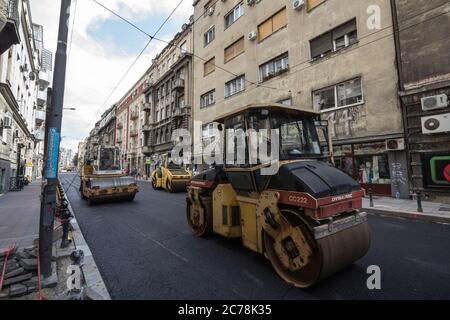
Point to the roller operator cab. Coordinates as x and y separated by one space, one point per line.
169 176
102 179
304 217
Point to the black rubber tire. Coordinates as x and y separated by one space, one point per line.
207 229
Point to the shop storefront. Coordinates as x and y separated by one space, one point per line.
367 163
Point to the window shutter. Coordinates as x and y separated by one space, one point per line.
210 66
229 53
344 29
279 20
314 3
321 45
239 47
265 29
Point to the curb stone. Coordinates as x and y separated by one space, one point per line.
90 270
409 215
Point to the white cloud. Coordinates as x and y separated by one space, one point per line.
94 69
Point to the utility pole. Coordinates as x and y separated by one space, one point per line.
52 143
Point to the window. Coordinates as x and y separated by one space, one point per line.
235 86
334 40
183 47
274 67
208 99
234 50
209 66
314 3
234 15
286 102
273 24
209 36
208 130
344 94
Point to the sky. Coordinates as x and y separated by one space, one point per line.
103 47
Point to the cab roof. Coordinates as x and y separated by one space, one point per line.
270 107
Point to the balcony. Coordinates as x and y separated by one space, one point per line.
182 111
42 98
44 78
119 140
147 107
147 127
40 117
9 24
39 134
147 150
134 133
178 84
134 115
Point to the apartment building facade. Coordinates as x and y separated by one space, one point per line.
107 127
169 96
129 119
335 57
423 46
44 82
19 82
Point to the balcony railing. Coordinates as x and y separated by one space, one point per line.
147 106
147 150
44 77
178 84
134 132
41 98
40 116
134 115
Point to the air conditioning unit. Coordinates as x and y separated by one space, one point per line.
210 11
395 144
434 102
252 35
436 124
250 2
298 4
7 122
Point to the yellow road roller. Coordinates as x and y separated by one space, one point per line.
169 176
305 217
102 179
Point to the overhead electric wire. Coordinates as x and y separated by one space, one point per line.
257 84
171 44
137 58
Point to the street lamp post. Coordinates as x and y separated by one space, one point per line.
53 133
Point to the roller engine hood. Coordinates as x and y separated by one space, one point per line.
317 178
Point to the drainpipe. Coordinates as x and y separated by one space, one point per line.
400 83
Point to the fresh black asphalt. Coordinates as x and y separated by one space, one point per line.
144 250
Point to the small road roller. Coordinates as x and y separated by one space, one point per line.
169 176
102 179
305 218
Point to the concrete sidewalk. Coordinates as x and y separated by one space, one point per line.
19 216
432 211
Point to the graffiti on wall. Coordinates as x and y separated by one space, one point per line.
347 122
398 174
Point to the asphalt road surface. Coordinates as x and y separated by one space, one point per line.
144 250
